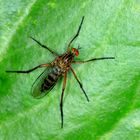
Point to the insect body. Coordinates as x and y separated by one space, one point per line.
58 68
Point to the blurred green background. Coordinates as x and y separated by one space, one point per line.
110 28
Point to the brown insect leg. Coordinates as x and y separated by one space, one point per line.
81 86
78 31
94 59
28 71
61 101
54 53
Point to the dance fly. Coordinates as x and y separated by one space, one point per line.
57 69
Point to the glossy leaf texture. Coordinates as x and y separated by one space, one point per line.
111 28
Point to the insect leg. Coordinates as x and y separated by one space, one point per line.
61 101
54 53
94 59
28 71
78 31
81 86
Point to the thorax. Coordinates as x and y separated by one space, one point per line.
64 61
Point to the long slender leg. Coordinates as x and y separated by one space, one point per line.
61 101
78 31
94 59
81 86
54 53
30 70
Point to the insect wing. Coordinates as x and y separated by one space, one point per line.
37 85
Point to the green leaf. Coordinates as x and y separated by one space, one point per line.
110 28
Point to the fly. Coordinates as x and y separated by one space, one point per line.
57 69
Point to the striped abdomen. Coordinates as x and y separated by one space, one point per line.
51 79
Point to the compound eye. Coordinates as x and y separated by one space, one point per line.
75 51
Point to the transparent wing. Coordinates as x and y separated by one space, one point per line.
37 85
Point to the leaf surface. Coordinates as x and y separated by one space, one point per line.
110 28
